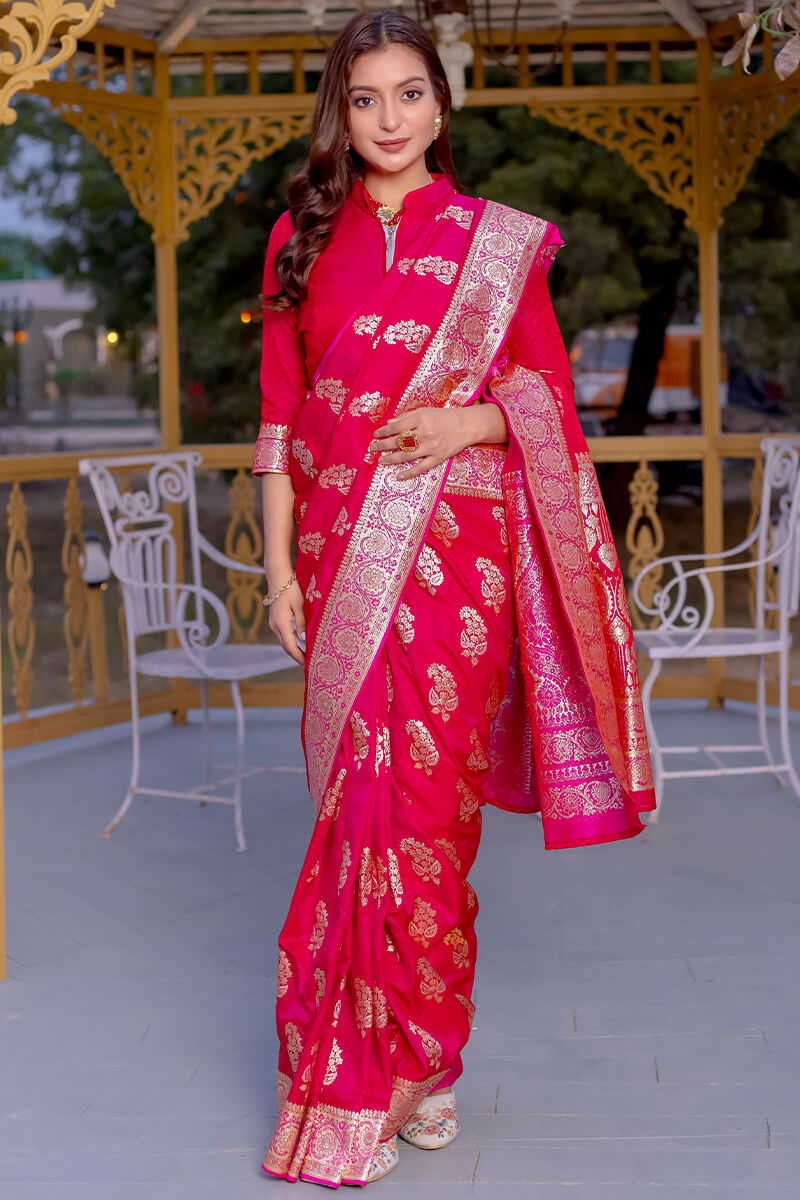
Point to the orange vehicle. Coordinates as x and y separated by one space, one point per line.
600 362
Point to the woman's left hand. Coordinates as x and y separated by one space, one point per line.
442 433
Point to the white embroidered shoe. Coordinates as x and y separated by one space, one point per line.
387 1156
434 1124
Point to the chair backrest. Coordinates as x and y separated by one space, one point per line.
778 581
142 534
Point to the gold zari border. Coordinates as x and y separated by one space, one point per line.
334 1145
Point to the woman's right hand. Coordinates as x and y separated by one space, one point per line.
287 621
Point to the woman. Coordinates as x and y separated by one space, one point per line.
456 600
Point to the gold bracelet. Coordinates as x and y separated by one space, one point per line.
271 599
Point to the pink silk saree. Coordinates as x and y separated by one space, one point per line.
467 640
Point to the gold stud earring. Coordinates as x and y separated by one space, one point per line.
437 127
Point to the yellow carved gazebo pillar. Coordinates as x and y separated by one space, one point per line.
708 221
166 238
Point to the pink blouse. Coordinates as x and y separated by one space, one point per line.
349 268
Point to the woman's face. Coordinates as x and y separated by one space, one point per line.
391 108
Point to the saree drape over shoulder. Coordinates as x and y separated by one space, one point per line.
468 640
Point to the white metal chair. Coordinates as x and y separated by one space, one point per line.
144 559
685 630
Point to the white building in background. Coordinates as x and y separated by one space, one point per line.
57 335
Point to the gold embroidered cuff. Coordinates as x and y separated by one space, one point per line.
272 449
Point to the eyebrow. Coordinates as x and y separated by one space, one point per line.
364 87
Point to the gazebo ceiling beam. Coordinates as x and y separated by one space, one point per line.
686 15
181 24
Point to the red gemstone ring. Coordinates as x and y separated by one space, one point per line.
409 441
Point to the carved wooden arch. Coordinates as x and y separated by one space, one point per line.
212 153
657 139
128 139
743 125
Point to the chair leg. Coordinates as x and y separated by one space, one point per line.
786 741
136 753
656 756
761 703
207 758
241 844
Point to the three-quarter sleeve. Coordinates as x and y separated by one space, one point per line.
534 337
284 381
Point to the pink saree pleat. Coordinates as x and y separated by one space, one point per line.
377 955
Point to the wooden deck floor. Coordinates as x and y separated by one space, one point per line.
638 1003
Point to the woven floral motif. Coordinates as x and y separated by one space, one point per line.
444 525
341 525
428 570
360 732
477 760
423 860
431 984
313 873
332 390
492 586
454 212
304 456
320 926
311 543
344 865
494 699
395 882
404 623
423 927
443 695
443 269
320 981
473 635
309 1068
383 749
459 947
408 334
335 1060
332 798
367 324
372 877
363 1006
499 514
422 749
431 1045
284 974
371 1008
312 591
369 404
470 801
338 476
448 848
468 1006
294 1044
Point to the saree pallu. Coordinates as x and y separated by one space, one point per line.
467 640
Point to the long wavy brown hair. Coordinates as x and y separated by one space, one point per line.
319 189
